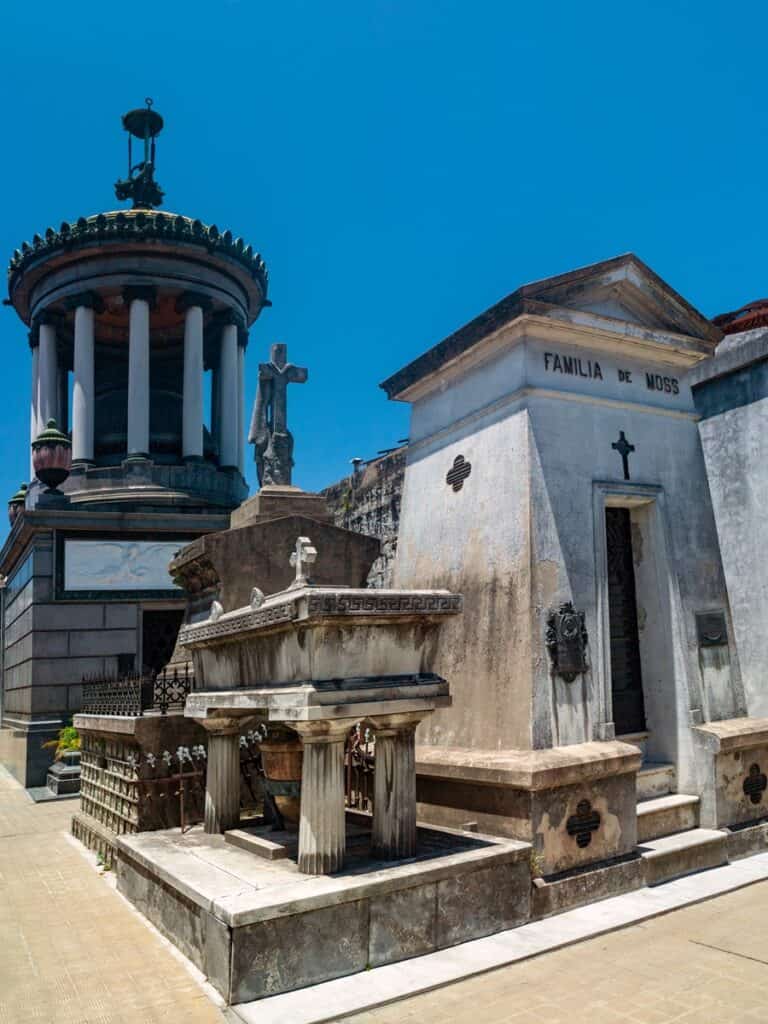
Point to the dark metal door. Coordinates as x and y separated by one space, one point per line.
626 676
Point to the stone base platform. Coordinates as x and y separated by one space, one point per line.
576 805
257 927
588 884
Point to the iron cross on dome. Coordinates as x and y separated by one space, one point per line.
623 447
302 556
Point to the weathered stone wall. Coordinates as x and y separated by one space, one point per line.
368 501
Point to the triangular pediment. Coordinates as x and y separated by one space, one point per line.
620 299
624 289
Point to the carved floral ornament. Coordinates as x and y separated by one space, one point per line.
566 639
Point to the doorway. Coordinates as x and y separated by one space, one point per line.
626 666
159 631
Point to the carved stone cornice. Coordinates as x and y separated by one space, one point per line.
145 292
90 300
189 299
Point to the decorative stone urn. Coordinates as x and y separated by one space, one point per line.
52 457
17 503
282 754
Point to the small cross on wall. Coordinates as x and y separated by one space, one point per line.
623 447
302 556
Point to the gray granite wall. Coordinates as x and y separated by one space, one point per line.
51 645
368 501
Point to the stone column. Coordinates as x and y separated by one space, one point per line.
228 407
48 369
215 403
394 787
242 340
222 785
63 399
34 418
139 298
83 388
193 306
322 831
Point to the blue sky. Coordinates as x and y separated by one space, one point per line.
399 165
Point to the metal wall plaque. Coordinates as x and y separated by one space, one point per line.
755 784
566 640
583 823
458 473
711 629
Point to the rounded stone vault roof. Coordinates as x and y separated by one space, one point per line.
123 227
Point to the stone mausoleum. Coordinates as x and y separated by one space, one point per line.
138 323
565 450
544 610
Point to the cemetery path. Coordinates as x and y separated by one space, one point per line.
703 964
72 951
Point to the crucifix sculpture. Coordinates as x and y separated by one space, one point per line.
623 447
302 557
269 433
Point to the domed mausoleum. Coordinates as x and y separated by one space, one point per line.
134 307
138 323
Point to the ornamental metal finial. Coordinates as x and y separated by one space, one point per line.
146 124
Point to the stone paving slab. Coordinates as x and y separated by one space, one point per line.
356 998
73 951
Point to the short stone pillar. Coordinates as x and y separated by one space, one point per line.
394 787
222 785
322 826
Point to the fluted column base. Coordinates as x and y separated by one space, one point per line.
222 787
322 826
394 787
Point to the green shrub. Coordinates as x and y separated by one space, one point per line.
68 739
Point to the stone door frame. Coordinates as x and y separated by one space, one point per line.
652 499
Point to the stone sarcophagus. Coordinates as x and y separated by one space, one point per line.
315 660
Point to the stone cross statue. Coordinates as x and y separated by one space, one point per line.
269 434
302 557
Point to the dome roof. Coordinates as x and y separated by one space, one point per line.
119 229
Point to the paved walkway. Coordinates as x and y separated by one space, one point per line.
73 952
705 964
71 949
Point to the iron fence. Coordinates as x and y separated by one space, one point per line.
359 768
132 694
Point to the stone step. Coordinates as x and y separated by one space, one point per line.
682 854
656 778
665 815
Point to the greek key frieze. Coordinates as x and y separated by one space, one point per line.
383 604
285 612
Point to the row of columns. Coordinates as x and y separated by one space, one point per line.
228 399
322 828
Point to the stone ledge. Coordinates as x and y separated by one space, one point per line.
530 769
733 734
589 884
746 840
144 729
312 606
308 702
